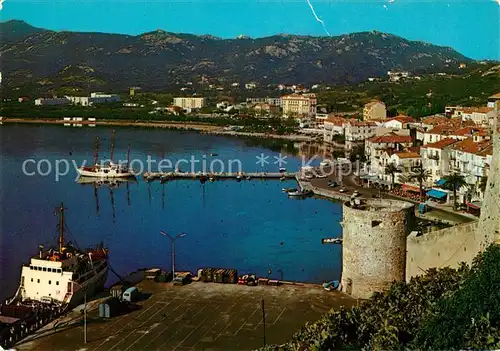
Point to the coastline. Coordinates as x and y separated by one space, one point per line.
203 128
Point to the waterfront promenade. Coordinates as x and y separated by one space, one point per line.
198 316
224 175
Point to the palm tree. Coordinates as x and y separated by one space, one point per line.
420 175
391 170
454 182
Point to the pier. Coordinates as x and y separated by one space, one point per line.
216 176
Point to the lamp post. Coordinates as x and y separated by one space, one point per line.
173 239
84 313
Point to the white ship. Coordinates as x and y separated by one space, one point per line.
53 281
108 169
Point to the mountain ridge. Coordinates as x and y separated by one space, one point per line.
159 59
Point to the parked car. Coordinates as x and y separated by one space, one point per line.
343 190
182 279
131 294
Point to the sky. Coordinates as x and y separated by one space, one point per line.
471 27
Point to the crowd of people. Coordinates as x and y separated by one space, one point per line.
407 194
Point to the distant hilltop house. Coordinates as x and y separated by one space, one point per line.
374 110
94 98
250 86
189 103
395 76
299 105
51 101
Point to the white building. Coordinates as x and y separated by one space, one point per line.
406 162
51 101
398 122
79 100
481 116
250 86
436 158
189 103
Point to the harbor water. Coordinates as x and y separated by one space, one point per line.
251 225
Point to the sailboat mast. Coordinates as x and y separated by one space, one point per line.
112 149
61 228
128 156
96 150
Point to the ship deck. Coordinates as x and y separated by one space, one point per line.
196 316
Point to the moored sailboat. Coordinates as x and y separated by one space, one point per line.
109 169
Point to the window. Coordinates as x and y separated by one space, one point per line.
59 271
57 282
38 280
32 280
50 282
31 267
45 269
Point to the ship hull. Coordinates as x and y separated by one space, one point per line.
90 286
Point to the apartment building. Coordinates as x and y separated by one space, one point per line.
374 110
376 146
189 103
405 161
299 105
435 158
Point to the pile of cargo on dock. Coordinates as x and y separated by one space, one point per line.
218 275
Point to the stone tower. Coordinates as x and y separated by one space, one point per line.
488 229
374 244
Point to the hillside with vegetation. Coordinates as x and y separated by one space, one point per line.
445 309
44 59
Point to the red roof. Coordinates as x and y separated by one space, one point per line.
391 138
402 119
468 131
441 144
469 146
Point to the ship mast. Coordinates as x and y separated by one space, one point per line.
112 149
96 150
61 227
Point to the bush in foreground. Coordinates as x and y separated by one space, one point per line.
443 309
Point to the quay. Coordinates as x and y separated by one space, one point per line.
197 316
215 176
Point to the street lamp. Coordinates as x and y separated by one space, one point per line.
173 239
84 313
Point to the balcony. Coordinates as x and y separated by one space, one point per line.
434 157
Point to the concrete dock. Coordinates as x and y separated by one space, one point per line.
198 316
215 176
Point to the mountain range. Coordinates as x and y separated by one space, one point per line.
45 59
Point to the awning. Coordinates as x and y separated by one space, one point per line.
412 188
475 205
441 182
437 194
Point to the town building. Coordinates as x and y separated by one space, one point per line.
482 116
395 76
296 105
374 110
376 146
189 103
398 122
436 159
101 98
493 99
51 101
405 161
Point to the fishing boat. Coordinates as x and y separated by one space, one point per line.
54 281
108 169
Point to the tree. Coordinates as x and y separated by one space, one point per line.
391 170
358 151
420 175
454 182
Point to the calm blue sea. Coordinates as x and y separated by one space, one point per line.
251 225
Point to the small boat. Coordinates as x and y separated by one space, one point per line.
214 154
248 177
238 178
282 170
331 241
211 179
300 193
282 179
288 190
